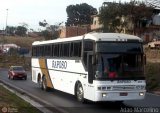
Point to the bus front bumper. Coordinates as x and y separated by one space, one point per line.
119 95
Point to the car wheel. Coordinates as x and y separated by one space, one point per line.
9 76
80 93
12 77
25 78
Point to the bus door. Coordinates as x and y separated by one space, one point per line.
90 68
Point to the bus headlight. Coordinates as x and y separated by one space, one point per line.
141 93
104 94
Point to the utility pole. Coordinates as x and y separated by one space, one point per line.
6 21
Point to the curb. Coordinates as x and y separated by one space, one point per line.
43 106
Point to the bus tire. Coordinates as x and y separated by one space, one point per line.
44 84
40 81
80 93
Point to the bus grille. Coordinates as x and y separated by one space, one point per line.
123 87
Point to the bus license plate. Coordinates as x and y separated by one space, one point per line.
123 94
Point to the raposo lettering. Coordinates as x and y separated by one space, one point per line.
59 64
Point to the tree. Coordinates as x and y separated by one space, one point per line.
50 32
24 24
53 29
11 30
79 14
43 24
116 16
21 31
154 3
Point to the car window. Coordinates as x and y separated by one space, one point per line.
18 68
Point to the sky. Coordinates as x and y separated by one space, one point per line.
33 11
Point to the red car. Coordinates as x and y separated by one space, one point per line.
17 72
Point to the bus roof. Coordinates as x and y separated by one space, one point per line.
93 36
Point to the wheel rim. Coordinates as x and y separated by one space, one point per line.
44 84
40 83
80 93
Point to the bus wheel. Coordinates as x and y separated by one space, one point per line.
44 84
80 93
40 83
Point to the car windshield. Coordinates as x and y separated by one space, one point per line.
18 68
119 66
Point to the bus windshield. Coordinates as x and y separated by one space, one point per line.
112 47
119 66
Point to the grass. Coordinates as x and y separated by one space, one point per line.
152 69
153 76
13 103
6 61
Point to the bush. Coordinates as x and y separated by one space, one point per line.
152 75
6 61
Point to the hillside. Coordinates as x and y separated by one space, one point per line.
20 41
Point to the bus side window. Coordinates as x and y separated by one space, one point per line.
52 54
87 47
77 49
61 50
47 50
71 49
41 50
66 49
56 50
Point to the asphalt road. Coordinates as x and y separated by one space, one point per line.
68 104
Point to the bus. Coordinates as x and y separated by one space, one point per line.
95 66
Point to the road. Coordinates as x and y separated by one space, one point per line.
68 104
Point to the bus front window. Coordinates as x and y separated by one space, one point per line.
119 66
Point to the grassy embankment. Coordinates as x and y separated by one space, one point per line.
20 41
153 69
11 103
6 61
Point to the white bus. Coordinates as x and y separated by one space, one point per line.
96 66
